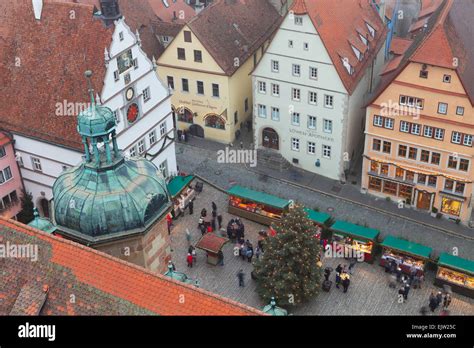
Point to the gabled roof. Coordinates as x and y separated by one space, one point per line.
445 42
399 45
45 64
102 284
172 11
231 30
339 23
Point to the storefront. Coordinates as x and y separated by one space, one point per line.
405 254
451 205
256 206
355 238
181 192
457 273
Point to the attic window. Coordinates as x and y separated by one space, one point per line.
187 36
298 20
371 29
121 36
363 39
357 53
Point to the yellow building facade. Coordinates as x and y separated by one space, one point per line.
418 146
207 102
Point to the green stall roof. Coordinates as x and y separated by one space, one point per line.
355 230
456 262
258 197
316 216
178 183
406 246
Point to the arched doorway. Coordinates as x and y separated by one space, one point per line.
214 121
196 130
270 139
44 207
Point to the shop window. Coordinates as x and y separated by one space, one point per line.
375 184
410 176
435 158
374 167
460 188
425 156
390 187
402 151
384 169
405 191
399 173
376 144
215 121
451 206
185 115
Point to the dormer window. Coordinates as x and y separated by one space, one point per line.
371 29
363 39
357 53
347 65
121 36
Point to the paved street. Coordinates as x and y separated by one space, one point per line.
344 202
368 294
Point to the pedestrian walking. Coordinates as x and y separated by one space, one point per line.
243 251
240 276
433 303
398 271
214 206
219 221
220 257
188 235
346 281
169 222
249 253
447 300
203 213
327 273
194 255
439 298
338 275
406 291
189 260
191 207
202 227
213 224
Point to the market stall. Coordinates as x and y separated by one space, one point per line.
181 192
212 244
256 206
317 217
405 254
355 238
457 273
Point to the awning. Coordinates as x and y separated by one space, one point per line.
456 262
407 247
317 217
258 197
178 183
355 230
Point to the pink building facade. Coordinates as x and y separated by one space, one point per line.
11 184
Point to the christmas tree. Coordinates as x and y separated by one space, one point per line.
289 271
26 214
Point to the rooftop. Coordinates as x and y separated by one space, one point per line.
103 285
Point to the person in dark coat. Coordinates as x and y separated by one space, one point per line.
219 221
249 253
346 282
338 275
446 301
191 207
220 256
260 245
214 206
203 229
439 298
433 302
203 212
406 291
240 276
327 273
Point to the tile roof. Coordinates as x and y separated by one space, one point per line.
175 11
428 7
399 45
46 60
167 29
211 242
339 23
231 29
100 283
448 35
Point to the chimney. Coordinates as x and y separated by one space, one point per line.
37 8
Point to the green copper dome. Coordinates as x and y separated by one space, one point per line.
42 224
95 121
272 309
127 196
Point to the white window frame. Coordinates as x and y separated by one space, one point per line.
327 126
312 122
415 129
469 142
378 121
152 137
438 131
440 105
163 128
311 148
311 100
275 112
456 137
141 147
460 110
275 88
262 87
326 151
312 70
275 65
296 70
298 20
296 94
146 94
295 144
404 127
328 97
261 108
295 118
389 123
36 163
428 131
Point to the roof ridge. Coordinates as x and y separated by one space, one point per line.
48 237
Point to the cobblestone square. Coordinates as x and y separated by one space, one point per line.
368 294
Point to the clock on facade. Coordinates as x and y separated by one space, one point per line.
129 94
132 113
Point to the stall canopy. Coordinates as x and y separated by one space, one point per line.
456 262
211 242
407 247
178 183
317 217
355 230
258 197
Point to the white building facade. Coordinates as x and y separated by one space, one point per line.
142 105
302 108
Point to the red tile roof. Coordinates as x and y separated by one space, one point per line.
339 23
299 7
102 284
46 60
446 42
231 30
211 242
399 45
177 11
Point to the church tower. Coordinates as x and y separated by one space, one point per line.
110 202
